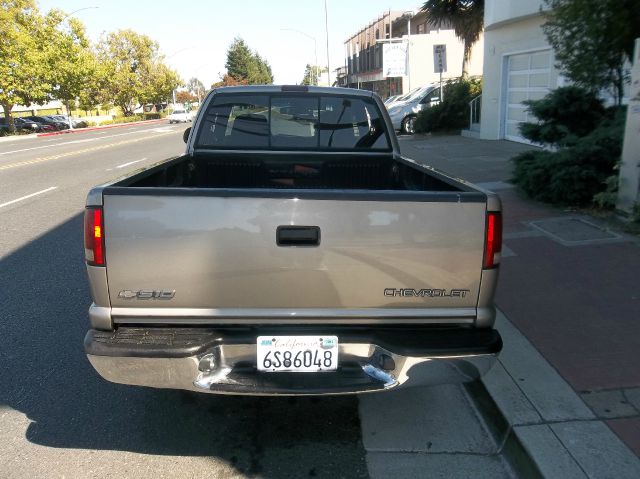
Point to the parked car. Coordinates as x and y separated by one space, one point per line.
47 120
400 98
291 250
23 125
76 123
403 114
180 116
391 99
33 125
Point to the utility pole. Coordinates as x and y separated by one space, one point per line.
408 49
326 28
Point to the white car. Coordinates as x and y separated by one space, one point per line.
180 116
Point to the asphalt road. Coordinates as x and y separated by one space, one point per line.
59 419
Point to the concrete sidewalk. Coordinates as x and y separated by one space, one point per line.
566 283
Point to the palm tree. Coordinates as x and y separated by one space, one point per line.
465 16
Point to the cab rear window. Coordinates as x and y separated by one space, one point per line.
292 121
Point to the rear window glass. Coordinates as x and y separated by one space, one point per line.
289 121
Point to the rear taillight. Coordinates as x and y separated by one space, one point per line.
493 240
94 236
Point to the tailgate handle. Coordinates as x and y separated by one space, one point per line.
298 236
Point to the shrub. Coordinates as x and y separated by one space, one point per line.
579 171
137 117
452 113
564 115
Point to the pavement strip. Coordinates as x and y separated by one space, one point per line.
46 190
521 420
78 152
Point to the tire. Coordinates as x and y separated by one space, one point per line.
409 125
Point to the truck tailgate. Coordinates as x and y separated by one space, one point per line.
208 257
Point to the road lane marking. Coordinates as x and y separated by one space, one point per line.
155 130
130 163
79 152
79 141
25 149
28 196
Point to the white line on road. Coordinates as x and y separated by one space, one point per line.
27 196
26 149
77 141
130 163
80 141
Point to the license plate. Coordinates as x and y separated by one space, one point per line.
297 353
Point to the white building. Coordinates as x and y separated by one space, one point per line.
518 66
364 54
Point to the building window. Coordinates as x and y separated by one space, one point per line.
386 31
422 28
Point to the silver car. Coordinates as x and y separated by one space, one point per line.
403 114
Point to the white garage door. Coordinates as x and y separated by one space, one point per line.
528 78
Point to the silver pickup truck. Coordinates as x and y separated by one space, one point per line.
291 250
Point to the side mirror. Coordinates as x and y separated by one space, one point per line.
185 135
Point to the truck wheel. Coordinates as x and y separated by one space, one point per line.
409 125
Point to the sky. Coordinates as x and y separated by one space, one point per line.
194 35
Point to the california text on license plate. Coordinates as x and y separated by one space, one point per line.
297 353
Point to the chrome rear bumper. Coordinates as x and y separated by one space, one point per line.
224 361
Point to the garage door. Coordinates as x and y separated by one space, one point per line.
528 78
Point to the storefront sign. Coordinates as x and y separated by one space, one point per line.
394 59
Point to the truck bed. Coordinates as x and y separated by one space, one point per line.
311 171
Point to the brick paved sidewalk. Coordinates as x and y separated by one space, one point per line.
569 285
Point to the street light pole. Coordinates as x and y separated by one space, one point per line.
173 92
76 11
67 102
315 50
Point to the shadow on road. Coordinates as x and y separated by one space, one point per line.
45 375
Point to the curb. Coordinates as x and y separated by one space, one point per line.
106 127
540 424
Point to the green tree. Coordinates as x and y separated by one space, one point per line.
261 73
312 74
159 83
465 16
593 40
196 88
25 69
72 61
95 86
135 71
244 64
239 59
